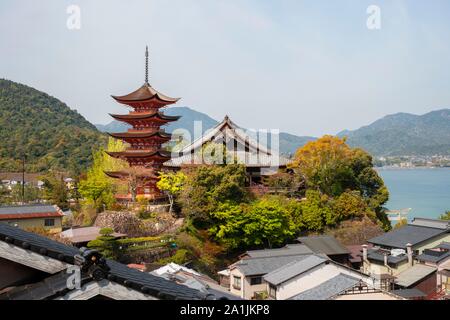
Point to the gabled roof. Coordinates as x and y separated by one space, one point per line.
288 250
261 155
324 244
378 255
413 234
29 211
144 93
262 160
431 223
119 273
409 293
262 266
78 235
412 275
294 269
328 289
231 129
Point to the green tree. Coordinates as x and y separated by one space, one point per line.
445 216
97 188
106 244
208 186
350 205
316 213
172 184
55 190
265 222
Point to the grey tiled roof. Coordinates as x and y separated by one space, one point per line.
409 293
413 275
53 285
444 245
27 209
290 249
431 223
408 234
262 266
328 289
119 273
324 244
433 256
374 254
293 269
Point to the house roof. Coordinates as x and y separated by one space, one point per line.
78 235
230 130
324 244
118 273
431 223
413 275
356 252
262 266
29 211
378 255
294 269
51 286
328 289
413 234
433 255
409 293
288 250
262 160
443 245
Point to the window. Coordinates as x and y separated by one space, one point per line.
272 291
255 281
49 222
237 283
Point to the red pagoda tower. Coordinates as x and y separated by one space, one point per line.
144 152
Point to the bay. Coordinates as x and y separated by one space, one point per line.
425 190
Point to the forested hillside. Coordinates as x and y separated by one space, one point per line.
45 130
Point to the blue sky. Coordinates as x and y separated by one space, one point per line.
305 67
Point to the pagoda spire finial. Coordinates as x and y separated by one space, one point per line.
146 64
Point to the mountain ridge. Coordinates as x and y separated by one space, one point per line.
404 134
44 129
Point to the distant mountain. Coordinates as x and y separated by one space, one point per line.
44 129
405 134
288 143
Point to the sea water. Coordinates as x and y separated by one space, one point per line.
425 190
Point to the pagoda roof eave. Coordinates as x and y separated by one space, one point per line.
144 116
124 154
125 174
136 135
145 93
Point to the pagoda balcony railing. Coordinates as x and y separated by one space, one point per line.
146 130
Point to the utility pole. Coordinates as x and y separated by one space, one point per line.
23 179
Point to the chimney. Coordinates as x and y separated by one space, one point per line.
409 252
385 255
364 247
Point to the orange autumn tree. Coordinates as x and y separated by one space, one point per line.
344 175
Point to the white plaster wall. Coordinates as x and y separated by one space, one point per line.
313 278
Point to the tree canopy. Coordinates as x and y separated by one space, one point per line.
44 130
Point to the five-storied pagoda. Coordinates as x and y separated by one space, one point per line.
145 138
